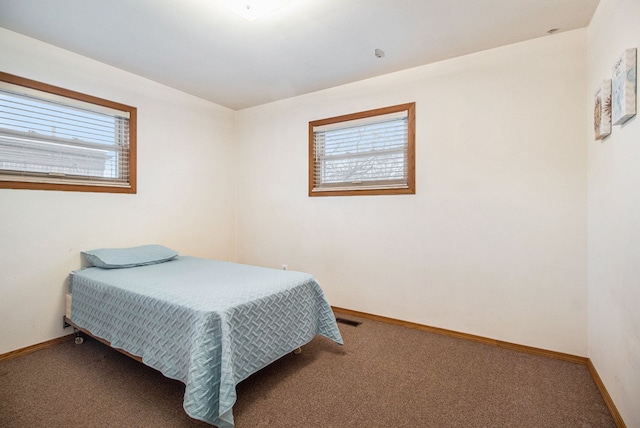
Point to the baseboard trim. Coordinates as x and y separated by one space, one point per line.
617 418
33 348
467 336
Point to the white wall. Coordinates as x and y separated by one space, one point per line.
614 220
185 196
493 243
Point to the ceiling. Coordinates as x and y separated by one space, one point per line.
200 47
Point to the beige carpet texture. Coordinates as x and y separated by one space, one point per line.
384 376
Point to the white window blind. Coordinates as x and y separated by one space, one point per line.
52 139
363 153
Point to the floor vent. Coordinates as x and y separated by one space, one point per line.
348 322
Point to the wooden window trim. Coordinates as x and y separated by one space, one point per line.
75 187
411 187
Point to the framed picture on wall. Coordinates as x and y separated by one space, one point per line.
602 110
623 88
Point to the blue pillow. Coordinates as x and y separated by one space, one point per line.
115 258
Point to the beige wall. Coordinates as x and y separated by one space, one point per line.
185 191
493 243
614 220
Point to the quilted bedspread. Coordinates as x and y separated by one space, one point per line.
207 323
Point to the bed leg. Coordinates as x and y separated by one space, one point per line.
79 338
297 351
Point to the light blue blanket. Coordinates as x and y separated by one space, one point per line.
207 323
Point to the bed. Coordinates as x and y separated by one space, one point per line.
208 323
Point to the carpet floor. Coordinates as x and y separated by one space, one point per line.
384 376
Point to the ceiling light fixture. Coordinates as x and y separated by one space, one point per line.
253 9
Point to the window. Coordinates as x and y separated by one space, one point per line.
366 153
55 139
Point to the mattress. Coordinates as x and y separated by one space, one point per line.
67 307
207 323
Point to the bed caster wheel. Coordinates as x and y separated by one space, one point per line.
79 338
297 351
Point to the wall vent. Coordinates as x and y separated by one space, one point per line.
348 322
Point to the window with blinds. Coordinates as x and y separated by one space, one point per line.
55 139
366 153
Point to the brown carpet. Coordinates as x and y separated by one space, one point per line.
384 376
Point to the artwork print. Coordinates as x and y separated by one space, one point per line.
623 88
602 110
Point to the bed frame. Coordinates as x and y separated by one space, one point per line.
79 331
79 340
